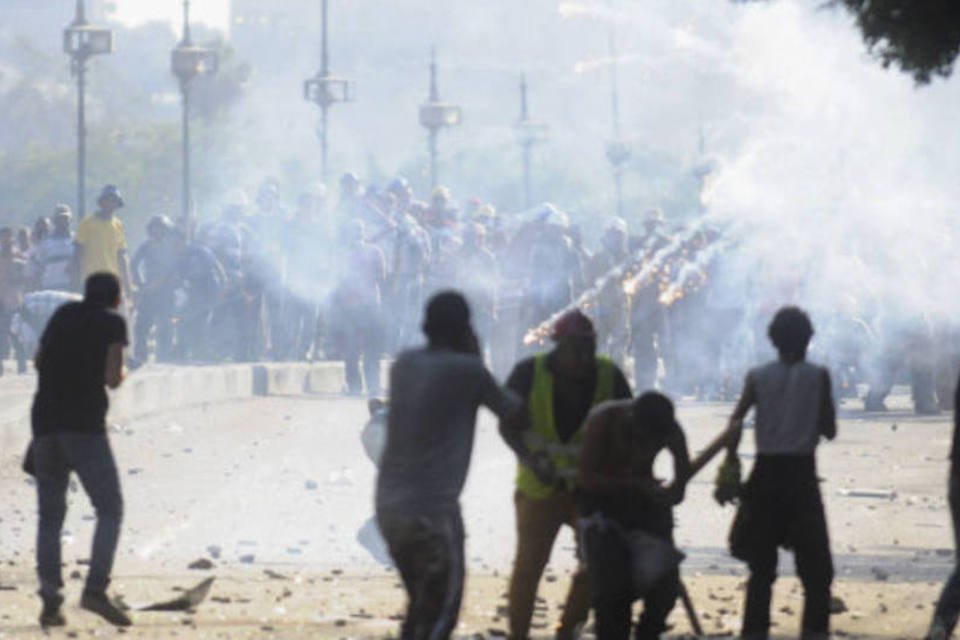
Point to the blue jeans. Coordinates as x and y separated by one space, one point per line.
89 455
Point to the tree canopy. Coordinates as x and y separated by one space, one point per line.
920 37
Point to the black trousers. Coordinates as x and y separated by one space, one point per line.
428 552
784 508
608 565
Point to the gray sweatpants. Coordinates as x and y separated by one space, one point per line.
90 456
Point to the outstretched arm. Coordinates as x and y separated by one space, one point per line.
735 426
828 412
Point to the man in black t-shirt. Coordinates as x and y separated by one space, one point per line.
80 353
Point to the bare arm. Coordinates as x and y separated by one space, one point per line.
735 426
828 413
512 430
114 367
682 470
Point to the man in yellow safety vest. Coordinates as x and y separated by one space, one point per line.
560 387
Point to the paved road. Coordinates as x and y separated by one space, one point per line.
285 481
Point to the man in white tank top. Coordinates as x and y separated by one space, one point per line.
780 504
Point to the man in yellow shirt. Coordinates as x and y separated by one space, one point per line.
101 242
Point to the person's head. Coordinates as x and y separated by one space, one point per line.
790 332
110 200
41 229
102 289
575 340
158 227
7 238
653 220
349 185
446 322
440 198
615 236
401 190
654 412
61 219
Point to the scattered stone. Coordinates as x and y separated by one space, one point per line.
273 575
76 575
879 574
214 551
340 623
311 485
201 564
247 558
837 605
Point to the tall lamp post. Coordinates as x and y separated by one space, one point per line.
529 133
81 40
436 115
324 89
618 152
187 62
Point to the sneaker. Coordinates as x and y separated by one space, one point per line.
98 603
50 615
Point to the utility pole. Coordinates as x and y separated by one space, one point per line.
529 133
618 152
81 40
325 90
187 61
436 115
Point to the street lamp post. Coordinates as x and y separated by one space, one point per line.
188 61
618 152
529 133
436 115
81 40
324 89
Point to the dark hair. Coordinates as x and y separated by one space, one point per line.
102 289
790 331
447 316
655 411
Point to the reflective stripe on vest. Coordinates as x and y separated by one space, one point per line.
542 435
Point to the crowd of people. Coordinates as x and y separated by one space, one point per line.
342 276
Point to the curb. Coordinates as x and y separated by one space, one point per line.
157 388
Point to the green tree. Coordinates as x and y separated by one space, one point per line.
920 37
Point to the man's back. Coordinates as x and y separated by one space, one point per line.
72 368
790 399
434 396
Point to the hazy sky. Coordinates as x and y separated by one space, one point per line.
214 12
